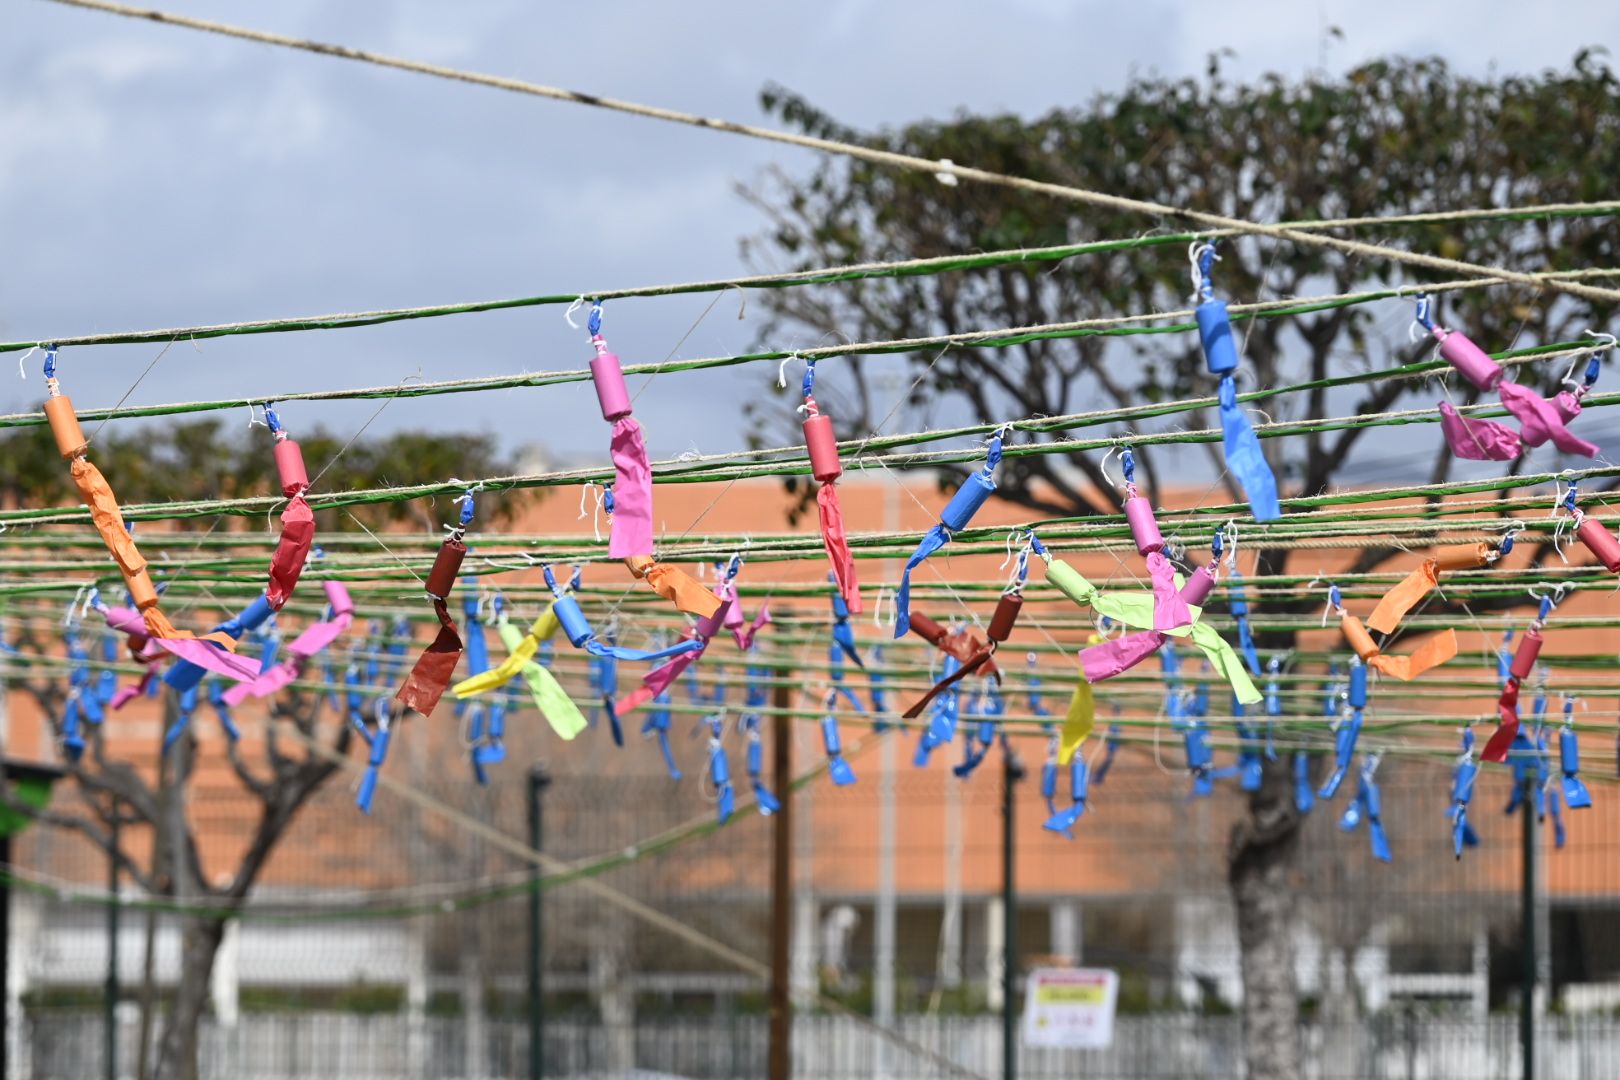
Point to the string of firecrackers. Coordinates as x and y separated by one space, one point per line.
146 625
1146 726
105 515
733 467
1326 531
770 669
1366 803
1173 607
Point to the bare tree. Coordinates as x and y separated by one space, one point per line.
113 797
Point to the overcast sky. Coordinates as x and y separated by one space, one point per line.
153 176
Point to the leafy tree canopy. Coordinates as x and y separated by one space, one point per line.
1396 136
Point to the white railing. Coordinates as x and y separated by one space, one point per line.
66 1045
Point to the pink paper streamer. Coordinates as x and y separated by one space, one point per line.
744 635
306 645
129 693
1119 654
656 682
141 646
1170 611
1540 420
1477 440
210 657
664 675
731 617
632 530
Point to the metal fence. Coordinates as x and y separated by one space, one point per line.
66 1045
1408 970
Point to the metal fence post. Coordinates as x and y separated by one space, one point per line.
1527 920
780 1065
110 1039
538 779
1012 771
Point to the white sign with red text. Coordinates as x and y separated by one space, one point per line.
1070 1007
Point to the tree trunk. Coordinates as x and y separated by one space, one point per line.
473 1008
1263 850
177 1051
143 1055
615 1002
1341 1014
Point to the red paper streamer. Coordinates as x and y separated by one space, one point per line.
431 674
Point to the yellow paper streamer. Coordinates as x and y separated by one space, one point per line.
1077 723
520 650
549 697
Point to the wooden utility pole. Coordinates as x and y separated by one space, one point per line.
780 1064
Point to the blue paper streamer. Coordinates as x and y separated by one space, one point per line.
1462 791
1244 458
720 771
973 493
657 725
216 700
1304 797
1079 784
837 767
1344 742
1110 751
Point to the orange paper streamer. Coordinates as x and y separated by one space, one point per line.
675 585
109 522
1423 580
1432 653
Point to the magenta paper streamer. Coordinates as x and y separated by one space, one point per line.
1169 609
1119 654
663 676
306 645
1540 420
211 657
127 694
729 616
127 621
142 646
658 680
743 632
631 532
1477 440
